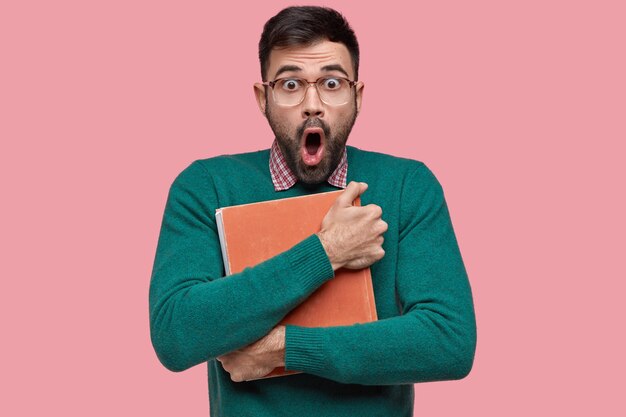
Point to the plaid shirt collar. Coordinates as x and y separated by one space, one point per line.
283 178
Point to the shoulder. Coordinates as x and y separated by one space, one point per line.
204 178
234 162
398 171
368 157
223 165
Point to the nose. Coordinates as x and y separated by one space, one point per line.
312 105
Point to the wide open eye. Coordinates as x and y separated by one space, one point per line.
290 84
332 83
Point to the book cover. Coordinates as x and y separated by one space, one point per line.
252 233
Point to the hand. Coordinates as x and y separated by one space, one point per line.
353 236
258 359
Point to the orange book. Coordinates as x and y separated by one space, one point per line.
252 233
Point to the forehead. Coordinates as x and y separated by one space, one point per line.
311 58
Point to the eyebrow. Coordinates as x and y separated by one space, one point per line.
335 67
295 68
287 68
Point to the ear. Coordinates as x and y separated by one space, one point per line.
259 93
359 95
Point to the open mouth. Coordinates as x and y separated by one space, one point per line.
312 145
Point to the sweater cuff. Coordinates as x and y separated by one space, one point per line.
303 347
310 263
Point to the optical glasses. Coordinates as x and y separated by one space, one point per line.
290 91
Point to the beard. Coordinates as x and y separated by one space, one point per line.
290 146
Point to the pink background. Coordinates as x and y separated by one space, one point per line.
518 107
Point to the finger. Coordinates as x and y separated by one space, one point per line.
352 191
382 226
376 211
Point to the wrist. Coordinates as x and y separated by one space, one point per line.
330 251
278 351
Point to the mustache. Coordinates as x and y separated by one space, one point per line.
313 123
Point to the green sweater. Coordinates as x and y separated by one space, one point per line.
426 329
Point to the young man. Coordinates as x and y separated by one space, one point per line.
311 96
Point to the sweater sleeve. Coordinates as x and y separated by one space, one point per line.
195 313
434 338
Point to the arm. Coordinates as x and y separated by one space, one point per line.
352 237
195 314
434 338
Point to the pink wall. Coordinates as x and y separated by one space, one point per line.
518 109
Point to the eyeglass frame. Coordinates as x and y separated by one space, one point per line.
271 84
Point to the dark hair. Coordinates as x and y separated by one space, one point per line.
305 25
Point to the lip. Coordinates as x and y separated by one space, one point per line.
307 158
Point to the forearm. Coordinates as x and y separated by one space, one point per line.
434 338
195 319
419 346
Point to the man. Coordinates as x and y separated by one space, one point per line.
311 96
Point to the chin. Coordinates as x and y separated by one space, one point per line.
313 175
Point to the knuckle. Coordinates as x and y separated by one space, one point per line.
349 189
375 210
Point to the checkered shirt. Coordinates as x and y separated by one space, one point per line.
283 178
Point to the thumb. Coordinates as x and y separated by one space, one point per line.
352 191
